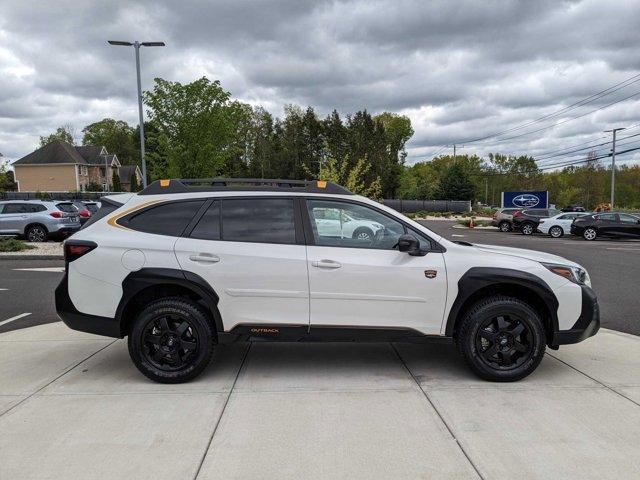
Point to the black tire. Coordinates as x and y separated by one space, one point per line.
171 340
363 233
504 226
502 339
36 233
528 228
556 231
589 233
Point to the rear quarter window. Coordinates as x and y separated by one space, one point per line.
67 207
166 219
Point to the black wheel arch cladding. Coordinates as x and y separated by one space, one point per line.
145 278
497 280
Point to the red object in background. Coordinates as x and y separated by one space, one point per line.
85 213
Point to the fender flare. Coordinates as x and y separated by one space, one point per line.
139 280
478 278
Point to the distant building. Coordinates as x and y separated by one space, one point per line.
126 172
61 167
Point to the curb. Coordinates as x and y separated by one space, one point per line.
31 257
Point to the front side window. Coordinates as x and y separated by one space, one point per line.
166 219
15 208
341 224
263 220
609 217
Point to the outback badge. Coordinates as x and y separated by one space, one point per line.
430 273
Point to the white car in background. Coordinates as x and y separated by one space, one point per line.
332 222
560 224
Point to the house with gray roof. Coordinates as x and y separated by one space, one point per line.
62 167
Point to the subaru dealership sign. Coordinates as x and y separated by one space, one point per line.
525 199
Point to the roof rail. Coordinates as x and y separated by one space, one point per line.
183 185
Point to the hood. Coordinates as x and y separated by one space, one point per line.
528 254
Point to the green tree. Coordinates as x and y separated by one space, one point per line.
116 184
93 187
7 180
133 185
456 184
116 135
197 126
64 133
354 178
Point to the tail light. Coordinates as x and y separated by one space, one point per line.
74 249
85 213
56 214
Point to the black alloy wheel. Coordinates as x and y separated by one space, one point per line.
504 226
172 340
501 338
504 342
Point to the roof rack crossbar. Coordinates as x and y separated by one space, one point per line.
186 185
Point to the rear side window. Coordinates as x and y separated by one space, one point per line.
166 219
258 220
606 216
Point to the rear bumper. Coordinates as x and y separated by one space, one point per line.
83 322
588 322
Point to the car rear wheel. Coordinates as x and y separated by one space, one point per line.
36 233
556 232
504 226
501 339
171 340
589 233
527 229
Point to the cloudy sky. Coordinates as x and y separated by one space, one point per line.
460 70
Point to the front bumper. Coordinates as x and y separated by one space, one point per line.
83 322
588 322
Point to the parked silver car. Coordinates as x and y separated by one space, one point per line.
503 218
38 220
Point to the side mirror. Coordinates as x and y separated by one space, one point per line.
411 245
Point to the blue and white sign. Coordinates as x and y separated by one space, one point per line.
525 199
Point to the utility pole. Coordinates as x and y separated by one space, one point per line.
454 153
136 45
613 163
486 191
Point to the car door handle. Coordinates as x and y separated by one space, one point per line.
204 257
326 264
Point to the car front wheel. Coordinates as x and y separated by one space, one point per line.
171 340
501 339
556 232
527 229
589 233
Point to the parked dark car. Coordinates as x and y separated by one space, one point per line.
574 208
607 224
526 221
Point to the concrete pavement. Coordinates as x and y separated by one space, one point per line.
73 406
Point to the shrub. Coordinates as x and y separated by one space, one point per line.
13 245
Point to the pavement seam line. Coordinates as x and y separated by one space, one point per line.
596 380
58 377
435 409
224 407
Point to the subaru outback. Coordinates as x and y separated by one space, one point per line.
186 265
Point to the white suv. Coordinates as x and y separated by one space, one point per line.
185 265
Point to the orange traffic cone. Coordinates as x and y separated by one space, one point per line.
471 224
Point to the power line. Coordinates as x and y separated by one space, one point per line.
588 148
549 167
584 101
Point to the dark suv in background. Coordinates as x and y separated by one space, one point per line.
527 221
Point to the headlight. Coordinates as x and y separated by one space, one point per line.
575 274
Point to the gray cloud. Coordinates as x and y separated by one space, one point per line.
459 69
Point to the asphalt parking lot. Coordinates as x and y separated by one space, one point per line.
27 286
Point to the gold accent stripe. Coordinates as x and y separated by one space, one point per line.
113 221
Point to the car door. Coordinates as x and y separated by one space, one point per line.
13 218
251 251
628 225
565 221
607 224
359 282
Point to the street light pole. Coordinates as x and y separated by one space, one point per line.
613 163
136 45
